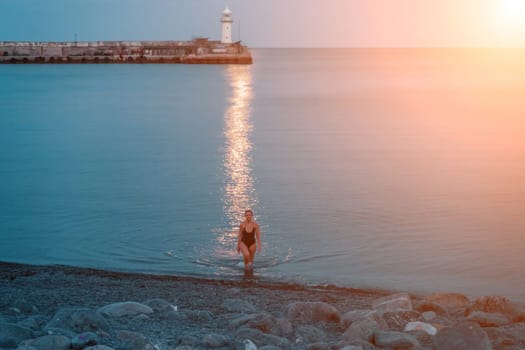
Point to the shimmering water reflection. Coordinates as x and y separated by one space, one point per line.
238 189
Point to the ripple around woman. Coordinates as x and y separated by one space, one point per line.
249 239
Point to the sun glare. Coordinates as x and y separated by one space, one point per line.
514 9
508 22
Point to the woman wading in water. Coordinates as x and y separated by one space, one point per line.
249 239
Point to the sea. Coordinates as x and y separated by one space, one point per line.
397 169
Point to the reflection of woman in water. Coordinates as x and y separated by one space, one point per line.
249 239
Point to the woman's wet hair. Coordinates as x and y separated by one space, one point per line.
248 211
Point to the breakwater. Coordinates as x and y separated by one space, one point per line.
196 51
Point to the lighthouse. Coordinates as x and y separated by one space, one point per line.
226 21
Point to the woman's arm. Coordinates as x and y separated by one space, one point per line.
258 236
239 238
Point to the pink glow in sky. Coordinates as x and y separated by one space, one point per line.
389 23
274 23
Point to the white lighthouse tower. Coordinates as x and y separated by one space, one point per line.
226 21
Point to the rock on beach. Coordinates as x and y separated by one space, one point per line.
313 312
77 320
127 308
11 335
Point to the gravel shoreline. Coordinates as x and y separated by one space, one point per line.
69 307
51 286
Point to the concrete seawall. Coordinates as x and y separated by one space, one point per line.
197 51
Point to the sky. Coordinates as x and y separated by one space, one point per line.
273 23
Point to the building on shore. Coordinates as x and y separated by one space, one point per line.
196 51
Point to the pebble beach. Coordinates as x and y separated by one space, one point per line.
62 307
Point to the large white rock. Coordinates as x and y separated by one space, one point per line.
249 345
394 302
421 326
127 308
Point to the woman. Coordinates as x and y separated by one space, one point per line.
249 239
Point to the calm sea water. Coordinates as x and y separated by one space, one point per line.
399 169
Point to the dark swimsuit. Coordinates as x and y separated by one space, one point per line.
248 238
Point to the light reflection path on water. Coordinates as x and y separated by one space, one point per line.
238 189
